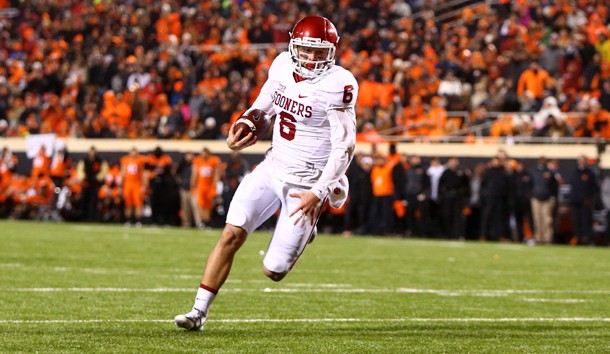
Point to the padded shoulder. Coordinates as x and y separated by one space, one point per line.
341 88
280 64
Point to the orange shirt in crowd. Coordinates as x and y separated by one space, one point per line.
52 116
59 166
73 181
598 123
40 191
6 174
159 162
112 183
436 118
533 82
366 93
41 163
381 177
413 112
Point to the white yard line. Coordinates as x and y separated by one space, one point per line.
325 288
10 265
117 229
185 272
318 320
559 301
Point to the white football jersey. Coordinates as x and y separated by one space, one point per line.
301 143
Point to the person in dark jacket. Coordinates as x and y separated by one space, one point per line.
544 196
417 192
522 205
453 192
399 178
91 170
495 192
583 190
361 195
188 203
237 168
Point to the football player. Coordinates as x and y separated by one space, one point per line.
313 143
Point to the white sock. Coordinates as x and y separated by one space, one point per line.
203 300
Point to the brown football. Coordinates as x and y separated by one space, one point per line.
255 121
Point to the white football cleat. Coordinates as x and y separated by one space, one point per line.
192 321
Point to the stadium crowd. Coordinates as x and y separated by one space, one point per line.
185 69
390 194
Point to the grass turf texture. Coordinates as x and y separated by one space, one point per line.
105 288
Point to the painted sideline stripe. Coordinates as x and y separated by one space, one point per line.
332 320
480 292
560 301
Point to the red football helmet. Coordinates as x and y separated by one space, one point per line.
313 32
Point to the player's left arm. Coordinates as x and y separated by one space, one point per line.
342 119
341 100
343 139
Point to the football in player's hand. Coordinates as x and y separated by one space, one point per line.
255 121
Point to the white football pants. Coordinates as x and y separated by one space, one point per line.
259 195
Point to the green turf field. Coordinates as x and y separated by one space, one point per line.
104 288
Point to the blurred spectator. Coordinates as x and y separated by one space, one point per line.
544 197
550 56
188 203
475 202
533 80
604 98
571 69
554 128
8 164
233 172
453 191
598 121
41 163
549 109
605 199
435 171
511 99
522 204
38 199
61 162
164 192
91 171
436 118
482 94
583 190
358 213
110 198
417 193
383 194
495 193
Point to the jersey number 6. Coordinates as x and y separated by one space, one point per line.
287 127
348 96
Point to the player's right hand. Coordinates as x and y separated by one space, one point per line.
235 143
